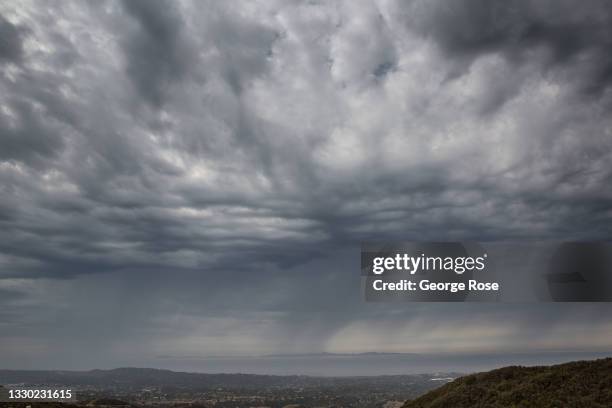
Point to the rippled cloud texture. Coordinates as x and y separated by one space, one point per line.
194 178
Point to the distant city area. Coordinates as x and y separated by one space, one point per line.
586 383
165 388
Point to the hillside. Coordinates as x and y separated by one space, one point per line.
576 384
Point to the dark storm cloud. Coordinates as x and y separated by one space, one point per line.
569 35
33 140
174 172
157 54
10 41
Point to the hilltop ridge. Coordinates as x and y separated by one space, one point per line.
575 384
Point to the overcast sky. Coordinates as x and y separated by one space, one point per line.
194 179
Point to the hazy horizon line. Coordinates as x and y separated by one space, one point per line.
594 355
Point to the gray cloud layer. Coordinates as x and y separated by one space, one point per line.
195 177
